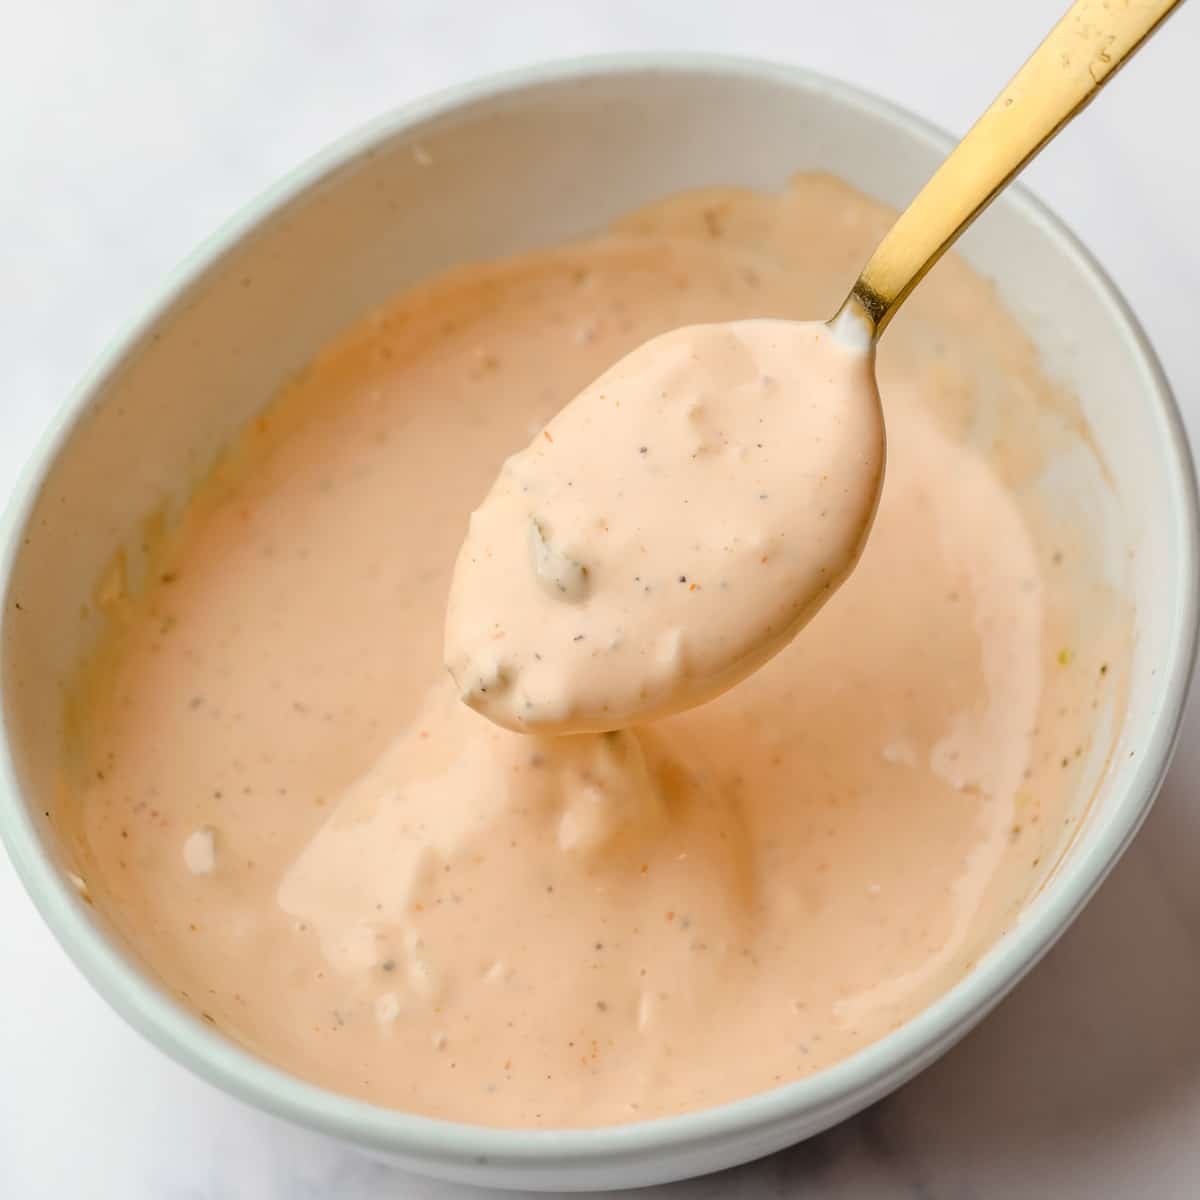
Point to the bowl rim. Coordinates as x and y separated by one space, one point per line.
867 1073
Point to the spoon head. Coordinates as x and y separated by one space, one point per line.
670 530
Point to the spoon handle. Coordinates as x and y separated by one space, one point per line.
1079 56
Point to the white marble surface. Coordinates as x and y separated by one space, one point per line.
129 130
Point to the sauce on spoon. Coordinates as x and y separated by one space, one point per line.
671 529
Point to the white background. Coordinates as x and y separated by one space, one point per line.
130 128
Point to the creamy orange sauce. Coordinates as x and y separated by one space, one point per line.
283 806
672 528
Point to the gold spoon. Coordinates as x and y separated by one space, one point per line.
548 626
1079 56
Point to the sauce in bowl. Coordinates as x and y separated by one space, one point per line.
285 808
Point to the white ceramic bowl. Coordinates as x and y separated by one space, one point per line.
490 169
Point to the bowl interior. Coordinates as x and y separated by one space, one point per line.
500 169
